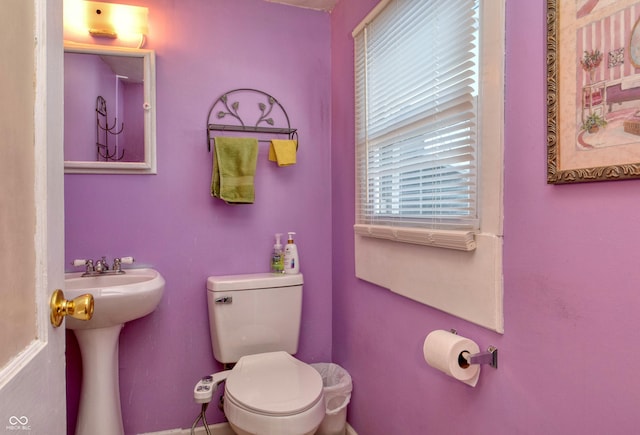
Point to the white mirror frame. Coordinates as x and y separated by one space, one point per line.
148 166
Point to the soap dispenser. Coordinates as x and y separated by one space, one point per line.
291 259
277 256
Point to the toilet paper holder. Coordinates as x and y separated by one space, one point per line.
489 357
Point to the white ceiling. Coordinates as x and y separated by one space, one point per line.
131 68
321 5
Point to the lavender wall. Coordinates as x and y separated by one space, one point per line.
567 358
169 221
133 117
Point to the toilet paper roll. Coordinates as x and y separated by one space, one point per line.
442 350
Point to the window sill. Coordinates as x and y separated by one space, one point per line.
449 239
464 284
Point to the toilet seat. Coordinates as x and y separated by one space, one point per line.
273 384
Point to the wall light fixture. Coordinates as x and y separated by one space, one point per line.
117 24
115 20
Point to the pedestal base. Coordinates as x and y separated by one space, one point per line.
100 412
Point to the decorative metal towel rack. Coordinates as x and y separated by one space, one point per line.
228 106
103 150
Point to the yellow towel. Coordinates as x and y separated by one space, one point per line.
283 152
234 167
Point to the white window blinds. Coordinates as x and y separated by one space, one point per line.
415 75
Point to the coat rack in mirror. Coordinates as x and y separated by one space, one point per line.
109 110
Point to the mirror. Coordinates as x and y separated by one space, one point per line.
109 110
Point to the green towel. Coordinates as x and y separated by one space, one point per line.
234 167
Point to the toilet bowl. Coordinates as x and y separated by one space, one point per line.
273 393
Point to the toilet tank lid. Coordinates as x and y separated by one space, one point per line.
252 281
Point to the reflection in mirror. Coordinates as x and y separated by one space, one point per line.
109 110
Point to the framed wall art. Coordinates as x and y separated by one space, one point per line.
593 90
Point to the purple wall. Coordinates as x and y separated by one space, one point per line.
133 117
169 221
567 358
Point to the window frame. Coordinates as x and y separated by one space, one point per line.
410 261
384 198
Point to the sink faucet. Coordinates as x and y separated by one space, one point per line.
101 266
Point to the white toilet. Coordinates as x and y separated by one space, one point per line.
254 321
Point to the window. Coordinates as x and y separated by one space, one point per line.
429 78
416 79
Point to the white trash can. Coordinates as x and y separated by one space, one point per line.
337 388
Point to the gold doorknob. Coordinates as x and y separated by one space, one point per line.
80 308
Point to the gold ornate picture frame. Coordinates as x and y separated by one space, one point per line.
593 90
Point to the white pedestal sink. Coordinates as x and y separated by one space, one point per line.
117 299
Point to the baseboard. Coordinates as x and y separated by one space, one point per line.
216 429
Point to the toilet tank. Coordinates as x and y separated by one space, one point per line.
254 313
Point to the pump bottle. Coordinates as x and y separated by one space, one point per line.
291 259
277 256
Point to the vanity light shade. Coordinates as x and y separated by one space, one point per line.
111 20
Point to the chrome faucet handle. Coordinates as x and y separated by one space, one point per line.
118 262
88 264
